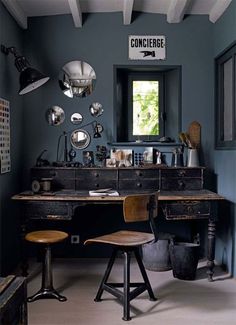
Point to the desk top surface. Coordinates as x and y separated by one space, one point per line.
70 195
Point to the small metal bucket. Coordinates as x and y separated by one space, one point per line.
156 256
184 260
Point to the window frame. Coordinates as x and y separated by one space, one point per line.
225 56
172 100
144 76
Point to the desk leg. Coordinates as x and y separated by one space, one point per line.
211 249
24 256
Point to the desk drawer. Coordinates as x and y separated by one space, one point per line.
180 179
135 184
134 179
48 210
62 178
181 172
89 179
186 210
138 174
176 184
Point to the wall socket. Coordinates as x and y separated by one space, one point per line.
74 239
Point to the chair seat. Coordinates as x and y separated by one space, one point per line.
46 236
123 238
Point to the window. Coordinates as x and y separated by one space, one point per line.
145 106
147 102
225 66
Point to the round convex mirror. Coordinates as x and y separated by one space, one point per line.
55 115
80 139
96 109
77 79
76 118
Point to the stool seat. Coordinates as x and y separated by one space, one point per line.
46 236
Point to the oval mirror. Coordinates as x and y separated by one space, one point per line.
76 118
55 115
96 109
80 139
77 79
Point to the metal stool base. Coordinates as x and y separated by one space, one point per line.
47 290
45 294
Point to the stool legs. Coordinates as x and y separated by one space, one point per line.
47 290
127 294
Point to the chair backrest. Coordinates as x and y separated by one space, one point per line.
140 207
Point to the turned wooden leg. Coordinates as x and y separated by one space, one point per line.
211 249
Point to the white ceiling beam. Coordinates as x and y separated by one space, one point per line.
127 11
16 12
76 12
218 9
176 10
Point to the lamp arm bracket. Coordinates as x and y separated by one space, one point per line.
7 50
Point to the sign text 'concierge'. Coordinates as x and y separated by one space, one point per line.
147 47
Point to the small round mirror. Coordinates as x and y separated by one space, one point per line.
76 118
77 79
55 115
96 109
80 139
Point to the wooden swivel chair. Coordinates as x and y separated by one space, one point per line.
46 238
140 207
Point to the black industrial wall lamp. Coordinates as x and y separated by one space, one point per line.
30 78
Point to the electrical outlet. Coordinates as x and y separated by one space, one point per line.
74 239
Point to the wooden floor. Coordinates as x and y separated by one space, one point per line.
195 302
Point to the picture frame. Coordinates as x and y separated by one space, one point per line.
123 157
88 158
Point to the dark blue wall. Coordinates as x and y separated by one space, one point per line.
225 160
103 42
10 183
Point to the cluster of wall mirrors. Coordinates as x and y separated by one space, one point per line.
77 79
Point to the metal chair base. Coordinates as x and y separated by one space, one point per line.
126 295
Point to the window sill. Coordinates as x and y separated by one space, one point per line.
144 144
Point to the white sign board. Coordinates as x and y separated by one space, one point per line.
147 47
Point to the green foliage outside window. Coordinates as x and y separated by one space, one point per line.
145 108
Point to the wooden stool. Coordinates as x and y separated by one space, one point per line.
140 207
46 237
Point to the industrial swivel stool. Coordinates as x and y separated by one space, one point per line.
46 238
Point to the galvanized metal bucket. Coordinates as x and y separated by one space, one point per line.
156 256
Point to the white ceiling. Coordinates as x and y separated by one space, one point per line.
173 9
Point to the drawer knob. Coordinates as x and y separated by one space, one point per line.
181 185
96 174
96 185
190 210
139 184
139 173
182 173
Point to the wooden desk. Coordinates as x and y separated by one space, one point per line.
176 205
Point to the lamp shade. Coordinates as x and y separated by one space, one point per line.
31 79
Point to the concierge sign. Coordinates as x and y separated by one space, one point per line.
147 47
